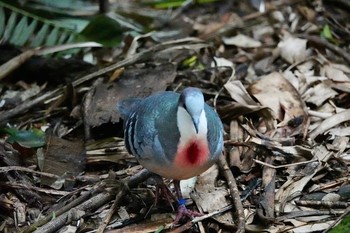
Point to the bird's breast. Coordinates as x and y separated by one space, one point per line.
193 153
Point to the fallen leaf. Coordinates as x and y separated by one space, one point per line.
335 74
209 198
65 159
242 41
26 138
292 49
286 102
100 105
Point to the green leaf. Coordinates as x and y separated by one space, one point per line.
11 24
62 38
2 21
125 22
20 27
21 33
326 32
64 4
40 36
104 30
27 33
172 3
40 157
26 138
52 37
190 62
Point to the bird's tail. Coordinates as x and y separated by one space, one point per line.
125 106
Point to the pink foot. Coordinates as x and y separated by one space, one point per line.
182 211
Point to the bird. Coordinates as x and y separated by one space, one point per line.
176 136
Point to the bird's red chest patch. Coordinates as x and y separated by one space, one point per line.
194 153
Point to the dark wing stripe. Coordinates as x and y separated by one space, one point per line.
127 136
130 134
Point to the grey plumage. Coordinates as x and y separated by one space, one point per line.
151 132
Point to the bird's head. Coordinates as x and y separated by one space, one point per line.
192 100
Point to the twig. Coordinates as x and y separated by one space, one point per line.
89 204
25 169
189 224
18 185
266 207
22 108
346 212
138 178
182 228
234 193
64 209
209 215
341 52
322 204
11 65
283 166
111 211
84 203
304 213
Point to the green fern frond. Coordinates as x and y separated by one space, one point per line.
22 28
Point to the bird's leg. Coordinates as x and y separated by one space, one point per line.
177 189
162 189
182 211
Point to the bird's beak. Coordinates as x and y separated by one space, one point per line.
196 123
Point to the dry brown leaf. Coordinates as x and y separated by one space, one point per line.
209 198
330 122
307 12
220 61
292 49
239 93
65 159
292 187
145 227
339 131
344 87
100 104
242 41
240 156
275 92
335 74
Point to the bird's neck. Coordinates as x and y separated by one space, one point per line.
186 126
192 147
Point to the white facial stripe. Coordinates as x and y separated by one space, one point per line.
186 126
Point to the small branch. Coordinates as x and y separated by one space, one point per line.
266 206
64 209
285 165
189 224
234 193
303 213
111 211
340 51
24 107
346 212
25 169
90 204
86 203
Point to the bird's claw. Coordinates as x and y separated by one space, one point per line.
182 211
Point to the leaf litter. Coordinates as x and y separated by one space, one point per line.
278 77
